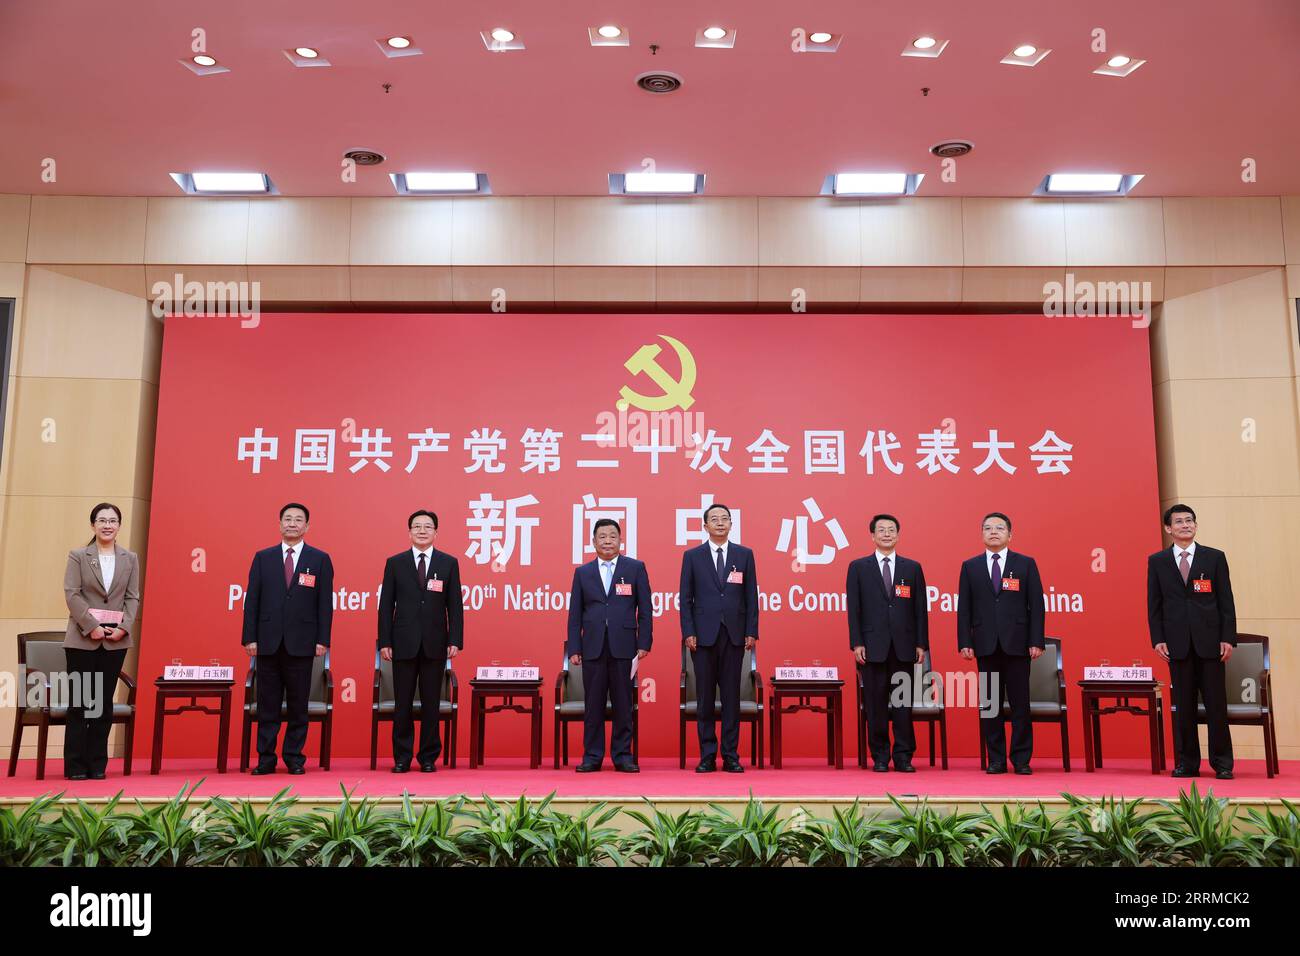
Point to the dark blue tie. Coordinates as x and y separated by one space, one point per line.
721 577
997 575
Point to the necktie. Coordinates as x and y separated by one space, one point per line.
997 574
1184 566
721 577
423 572
288 567
606 574
887 577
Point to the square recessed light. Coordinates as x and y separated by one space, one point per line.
610 34
1025 55
925 46
871 184
715 37
1087 184
203 65
1118 65
305 56
501 40
656 184
396 46
440 184
819 41
226 184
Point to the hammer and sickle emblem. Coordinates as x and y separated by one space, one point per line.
675 393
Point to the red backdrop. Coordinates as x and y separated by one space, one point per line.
227 392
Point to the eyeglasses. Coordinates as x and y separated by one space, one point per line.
108 521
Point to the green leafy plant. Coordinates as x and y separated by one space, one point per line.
847 838
246 837
425 837
925 837
25 838
760 837
169 834
353 834
666 840
93 837
1277 836
1111 831
581 839
1204 831
1023 836
508 834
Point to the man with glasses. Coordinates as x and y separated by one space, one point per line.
719 597
421 624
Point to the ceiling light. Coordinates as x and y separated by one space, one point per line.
715 33
926 46
306 52
1025 51
1025 55
398 46
204 60
1118 65
502 35
398 43
716 38
820 37
418 183
609 35
1116 62
924 43
871 184
609 32
499 39
1087 184
224 184
656 184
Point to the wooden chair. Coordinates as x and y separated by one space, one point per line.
41 653
927 711
382 708
751 705
1046 699
1248 676
320 708
571 707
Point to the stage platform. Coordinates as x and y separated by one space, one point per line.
802 782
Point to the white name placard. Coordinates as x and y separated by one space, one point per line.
1118 673
807 673
197 672
508 673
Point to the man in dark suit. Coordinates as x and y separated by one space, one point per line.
610 627
889 632
288 609
1193 623
421 624
1000 618
719 598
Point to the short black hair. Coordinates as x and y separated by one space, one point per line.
996 514
428 514
897 526
1177 509
303 508
716 504
605 523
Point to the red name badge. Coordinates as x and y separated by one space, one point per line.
903 590
1011 584
623 590
1202 586
434 585
735 577
307 580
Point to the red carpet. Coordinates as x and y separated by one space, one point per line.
659 779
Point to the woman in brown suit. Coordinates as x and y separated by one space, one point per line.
102 586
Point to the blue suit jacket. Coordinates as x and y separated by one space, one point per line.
299 616
1008 620
597 621
707 604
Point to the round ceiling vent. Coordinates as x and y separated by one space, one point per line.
659 81
952 147
364 157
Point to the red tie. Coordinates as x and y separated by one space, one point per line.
288 567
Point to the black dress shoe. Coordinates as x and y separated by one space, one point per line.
398 768
430 767
99 775
74 776
706 766
904 768
1184 772
1223 774
996 769
297 771
588 768
260 771
732 766
627 767
1025 771
879 767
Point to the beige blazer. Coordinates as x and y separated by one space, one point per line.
83 585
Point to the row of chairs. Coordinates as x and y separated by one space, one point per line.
41 653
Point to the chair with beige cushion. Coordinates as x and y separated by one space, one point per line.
383 706
751 705
320 708
41 653
1046 698
1248 676
571 708
929 711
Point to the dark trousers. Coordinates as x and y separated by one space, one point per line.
427 671
606 677
85 741
881 682
717 671
1003 674
1189 675
284 679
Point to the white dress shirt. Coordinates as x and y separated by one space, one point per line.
713 555
295 550
428 557
893 564
1178 550
1002 561
107 564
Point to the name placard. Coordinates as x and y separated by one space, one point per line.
1118 673
508 673
807 673
197 672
